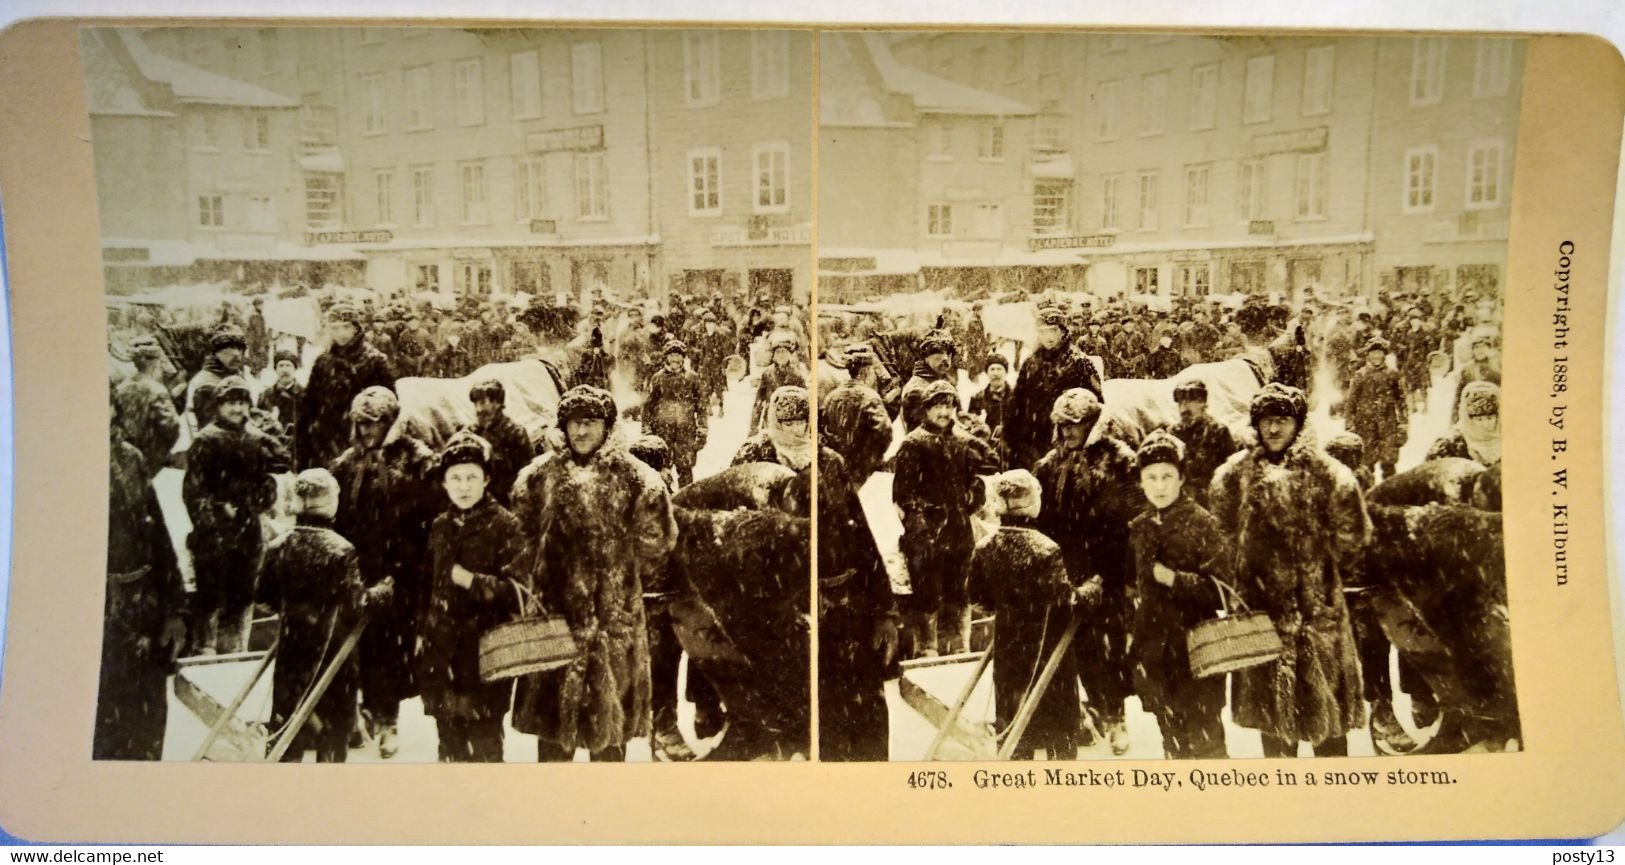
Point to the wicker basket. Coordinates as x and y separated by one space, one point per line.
530 644
1236 640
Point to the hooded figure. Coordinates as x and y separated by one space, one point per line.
1090 495
1020 574
937 488
1300 529
349 366
1477 433
312 579
600 523
1056 366
787 439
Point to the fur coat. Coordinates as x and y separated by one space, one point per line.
600 528
322 429
1044 376
1300 528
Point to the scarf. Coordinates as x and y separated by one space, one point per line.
793 446
1482 434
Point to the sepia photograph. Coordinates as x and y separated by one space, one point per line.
1160 375
459 393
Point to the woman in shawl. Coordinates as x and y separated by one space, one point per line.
1477 433
787 439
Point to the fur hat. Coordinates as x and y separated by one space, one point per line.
936 341
347 313
232 387
859 355
488 389
1161 446
465 447
790 404
782 339
1076 405
1191 390
1484 334
1019 493
1480 398
376 403
227 336
1376 344
288 356
1052 316
674 346
586 401
652 451
1278 400
996 358
1347 448
144 348
317 491
939 391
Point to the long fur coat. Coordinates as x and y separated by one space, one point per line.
1300 528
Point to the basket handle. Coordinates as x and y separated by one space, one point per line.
1234 597
529 604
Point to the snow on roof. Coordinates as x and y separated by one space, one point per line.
110 88
933 94
192 84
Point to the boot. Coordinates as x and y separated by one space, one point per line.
670 747
388 744
923 631
1386 733
953 626
1424 709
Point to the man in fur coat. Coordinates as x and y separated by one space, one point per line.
599 522
387 499
1301 528
146 413
1056 366
1090 495
511 446
1208 443
349 366
852 417
936 363
226 347
936 488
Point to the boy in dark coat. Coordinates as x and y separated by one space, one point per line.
478 562
228 484
1089 497
349 366
992 402
1178 553
1020 574
937 489
1376 409
675 410
312 579
511 446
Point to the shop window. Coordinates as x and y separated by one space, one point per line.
473 278
1247 277
426 277
531 277
1145 280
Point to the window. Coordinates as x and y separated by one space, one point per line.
1421 171
1492 72
769 64
592 192
1427 70
704 182
261 213
525 79
1049 206
1204 96
1149 195
211 211
470 93
208 136
1051 132
426 277
991 146
530 277
1195 280
1247 277
418 98
1015 59
1311 197
324 200
1197 184
944 143
1145 280
702 67
382 183
257 132
1260 93
1318 64
423 195
1253 189
1108 110
989 221
1484 174
473 277
772 163
586 78
473 184
1109 193
939 220
529 194
1155 104
372 104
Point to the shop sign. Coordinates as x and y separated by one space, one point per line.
1297 141
782 235
1076 242
847 265
574 138
313 238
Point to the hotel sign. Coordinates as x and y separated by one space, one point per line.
1079 242
782 235
313 238
1297 141
574 138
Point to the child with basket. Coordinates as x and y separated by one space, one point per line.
1179 554
475 586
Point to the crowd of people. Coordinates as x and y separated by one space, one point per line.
1134 536
423 546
